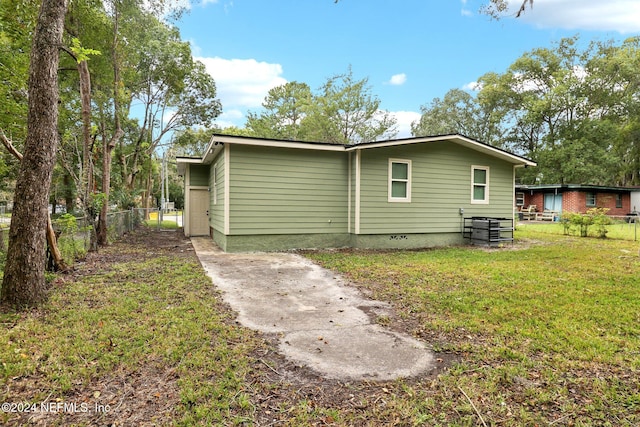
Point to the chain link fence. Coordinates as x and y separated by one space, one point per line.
75 234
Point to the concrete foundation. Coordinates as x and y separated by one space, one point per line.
286 242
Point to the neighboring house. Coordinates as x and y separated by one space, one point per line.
575 198
635 200
253 194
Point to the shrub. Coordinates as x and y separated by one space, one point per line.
580 223
565 220
600 220
70 244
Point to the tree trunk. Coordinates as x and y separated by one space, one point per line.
86 180
52 240
107 151
24 283
106 184
68 193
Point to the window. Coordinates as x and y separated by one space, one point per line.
591 199
399 180
619 201
479 184
519 199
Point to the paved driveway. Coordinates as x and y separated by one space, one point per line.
322 323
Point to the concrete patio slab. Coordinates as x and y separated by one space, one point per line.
321 321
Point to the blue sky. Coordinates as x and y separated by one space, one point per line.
412 51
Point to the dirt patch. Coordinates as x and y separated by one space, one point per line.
144 397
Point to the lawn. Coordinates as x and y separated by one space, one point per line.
617 230
544 332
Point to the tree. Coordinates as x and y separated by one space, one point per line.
584 156
17 21
346 112
460 112
175 91
285 109
497 8
24 282
192 142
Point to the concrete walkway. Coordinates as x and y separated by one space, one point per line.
321 322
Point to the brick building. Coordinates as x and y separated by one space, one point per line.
575 198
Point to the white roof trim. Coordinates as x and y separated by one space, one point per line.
217 141
227 139
458 139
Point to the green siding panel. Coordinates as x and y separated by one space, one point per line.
275 191
216 210
199 175
440 186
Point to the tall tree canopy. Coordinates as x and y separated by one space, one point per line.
120 90
460 112
343 111
572 109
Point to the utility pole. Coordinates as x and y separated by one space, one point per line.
161 210
166 177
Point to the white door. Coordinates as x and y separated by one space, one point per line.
198 212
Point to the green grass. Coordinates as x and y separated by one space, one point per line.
546 331
542 333
165 224
617 230
149 311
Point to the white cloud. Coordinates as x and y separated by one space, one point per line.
398 79
231 117
404 120
622 16
472 86
466 12
243 83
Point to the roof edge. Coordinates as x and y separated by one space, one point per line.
217 140
585 187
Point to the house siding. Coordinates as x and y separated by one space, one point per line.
353 193
199 175
217 199
277 195
635 201
440 186
278 191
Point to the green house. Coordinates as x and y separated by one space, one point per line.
252 194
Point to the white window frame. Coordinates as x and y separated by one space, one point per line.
484 201
589 195
407 198
519 198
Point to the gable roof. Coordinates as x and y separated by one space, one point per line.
218 141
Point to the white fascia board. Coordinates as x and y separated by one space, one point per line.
182 163
458 139
228 139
